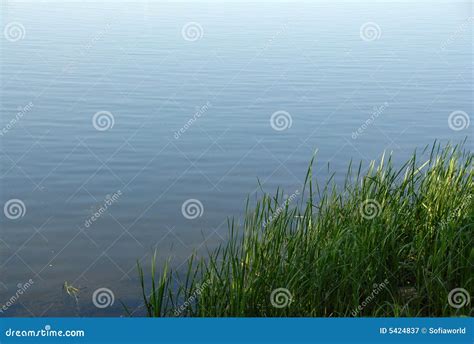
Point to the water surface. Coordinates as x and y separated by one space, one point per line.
192 120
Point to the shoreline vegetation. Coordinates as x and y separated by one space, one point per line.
388 243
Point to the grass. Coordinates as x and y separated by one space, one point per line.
389 242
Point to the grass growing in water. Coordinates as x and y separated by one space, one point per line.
393 242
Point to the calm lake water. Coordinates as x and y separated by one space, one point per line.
127 111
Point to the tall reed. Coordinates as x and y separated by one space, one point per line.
390 242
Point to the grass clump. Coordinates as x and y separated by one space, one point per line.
390 242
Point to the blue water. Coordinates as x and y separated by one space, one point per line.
192 120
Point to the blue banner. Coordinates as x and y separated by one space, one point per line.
236 330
